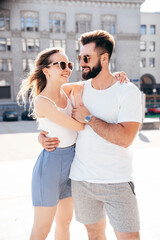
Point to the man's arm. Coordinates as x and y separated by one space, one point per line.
121 134
49 144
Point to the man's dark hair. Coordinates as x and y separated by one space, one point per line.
102 39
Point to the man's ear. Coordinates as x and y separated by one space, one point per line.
105 57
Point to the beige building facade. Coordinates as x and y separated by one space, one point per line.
150 57
27 27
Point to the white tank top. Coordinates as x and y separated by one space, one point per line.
66 136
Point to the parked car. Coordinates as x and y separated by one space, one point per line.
10 116
26 116
154 110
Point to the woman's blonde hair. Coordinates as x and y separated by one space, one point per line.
36 81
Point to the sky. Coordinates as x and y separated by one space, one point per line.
151 6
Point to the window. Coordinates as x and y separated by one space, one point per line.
5 91
29 21
77 66
143 62
152 46
23 45
151 62
83 23
2 23
2 44
5 44
57 22
58 43
108 23
143 29
152 29
28 65
5 65
143 46
29 24
30 45
77 46
4 20
37 45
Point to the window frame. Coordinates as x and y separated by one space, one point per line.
7 63
29 21
152 26
5 15
150 64
152 46
83 23
141 29
145 45
26 45
61 18
143 63
62 43
108 23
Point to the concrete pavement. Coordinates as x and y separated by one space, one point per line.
19 149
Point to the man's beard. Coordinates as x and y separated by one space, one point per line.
92 73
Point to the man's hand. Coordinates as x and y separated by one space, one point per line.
79 113
49 144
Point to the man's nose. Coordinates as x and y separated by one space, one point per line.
82 63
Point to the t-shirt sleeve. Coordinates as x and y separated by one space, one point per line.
130 109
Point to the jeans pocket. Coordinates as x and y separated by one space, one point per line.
131 184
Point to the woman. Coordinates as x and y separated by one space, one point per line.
51 190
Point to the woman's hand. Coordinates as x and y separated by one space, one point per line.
79 113
121 77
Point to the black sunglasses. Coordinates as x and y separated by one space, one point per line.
86 58
63 65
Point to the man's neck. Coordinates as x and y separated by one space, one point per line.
103 81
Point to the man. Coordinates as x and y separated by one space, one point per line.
101 170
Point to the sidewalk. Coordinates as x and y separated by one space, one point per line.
16 213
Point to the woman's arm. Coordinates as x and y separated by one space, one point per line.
78 86
76 89
45 108
69 87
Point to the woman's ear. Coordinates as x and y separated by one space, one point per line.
45 71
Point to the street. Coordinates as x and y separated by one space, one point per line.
19 150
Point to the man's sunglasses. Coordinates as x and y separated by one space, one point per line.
86 58
63 65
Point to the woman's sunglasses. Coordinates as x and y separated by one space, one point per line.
63 65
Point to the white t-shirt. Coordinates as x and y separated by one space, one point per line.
96 159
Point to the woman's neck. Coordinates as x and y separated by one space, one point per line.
52 91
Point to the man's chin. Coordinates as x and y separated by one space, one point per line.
85 76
